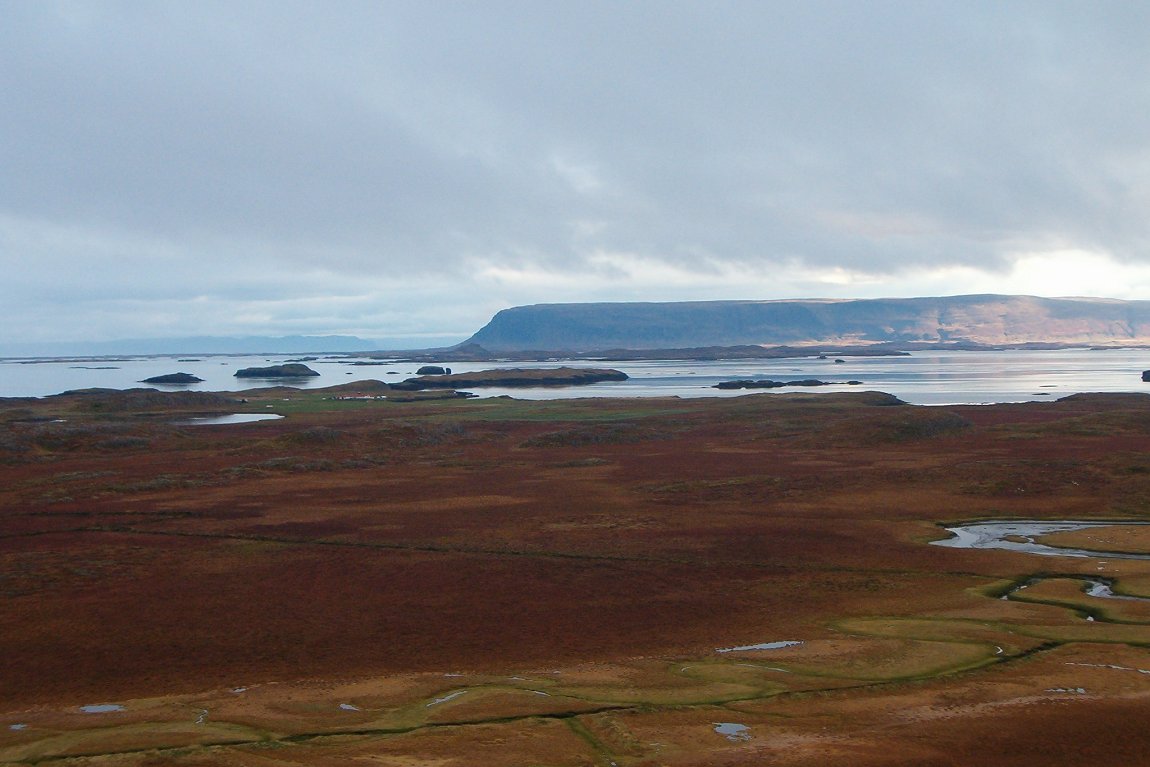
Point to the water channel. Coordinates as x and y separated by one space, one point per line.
1021 535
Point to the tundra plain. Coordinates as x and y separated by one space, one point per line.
567 582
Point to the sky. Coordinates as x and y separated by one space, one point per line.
403 170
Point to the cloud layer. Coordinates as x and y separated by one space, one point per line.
394 168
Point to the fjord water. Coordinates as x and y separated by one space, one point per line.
925 378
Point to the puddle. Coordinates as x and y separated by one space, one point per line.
101 708
1110 665
20 726
763 646
445 698
202 717
732 731
993 535
238 690
1099 587
1074 690
349 707
220 420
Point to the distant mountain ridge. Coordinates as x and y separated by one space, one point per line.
977 319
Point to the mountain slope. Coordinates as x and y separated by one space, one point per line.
985 319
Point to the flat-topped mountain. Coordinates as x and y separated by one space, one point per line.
978 319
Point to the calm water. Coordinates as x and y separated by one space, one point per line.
223 420
923 378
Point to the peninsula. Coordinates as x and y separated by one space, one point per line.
987 320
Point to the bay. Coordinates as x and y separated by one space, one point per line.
925 378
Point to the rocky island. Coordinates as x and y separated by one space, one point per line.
513 377
288 370
766 383
174 378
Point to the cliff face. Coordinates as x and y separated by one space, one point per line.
985 319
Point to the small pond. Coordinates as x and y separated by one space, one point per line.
733 731
220 420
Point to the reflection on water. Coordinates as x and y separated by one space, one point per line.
733 731
101 708
923 378
218 420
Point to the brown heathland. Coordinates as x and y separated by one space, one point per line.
505 582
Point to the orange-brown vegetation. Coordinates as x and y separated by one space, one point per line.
1116 538
496 582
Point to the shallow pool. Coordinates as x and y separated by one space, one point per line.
220 420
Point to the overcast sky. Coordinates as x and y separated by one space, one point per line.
406 169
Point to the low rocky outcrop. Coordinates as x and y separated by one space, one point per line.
288 370
766 383
1146 375
173 378
429 394
513 377
433 370
369 386
145 400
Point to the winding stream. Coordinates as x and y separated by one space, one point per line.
994 535
1093 586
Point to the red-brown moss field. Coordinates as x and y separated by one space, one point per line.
498 582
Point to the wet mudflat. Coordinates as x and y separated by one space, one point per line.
501 582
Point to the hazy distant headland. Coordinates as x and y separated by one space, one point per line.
986 320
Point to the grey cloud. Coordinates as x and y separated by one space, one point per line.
409 138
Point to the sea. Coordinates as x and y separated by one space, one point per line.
923 378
